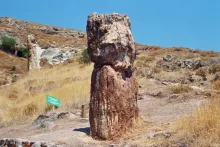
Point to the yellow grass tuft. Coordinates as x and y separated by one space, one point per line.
180 89
203 127
216 84
25 99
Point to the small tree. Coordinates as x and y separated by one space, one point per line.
85 57
8 43
24 52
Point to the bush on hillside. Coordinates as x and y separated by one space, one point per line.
85 57
8 43
13 68
24 52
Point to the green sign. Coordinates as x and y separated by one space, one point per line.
53 101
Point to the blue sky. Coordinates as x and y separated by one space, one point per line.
183 23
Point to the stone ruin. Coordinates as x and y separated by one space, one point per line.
113 102
34 53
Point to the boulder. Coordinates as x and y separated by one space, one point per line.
56 56
114 89
189 63
46 120
169 58
16 142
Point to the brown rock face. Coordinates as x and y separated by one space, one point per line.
113 103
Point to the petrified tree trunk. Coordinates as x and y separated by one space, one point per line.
113 102
34 52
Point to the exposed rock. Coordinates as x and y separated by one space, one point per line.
49 30
5 142
56 56
34 53
189 63
46 120
38 56
110 41
169 58
160 134
113 102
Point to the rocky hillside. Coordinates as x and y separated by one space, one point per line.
47 36
63 43
59 43
173 83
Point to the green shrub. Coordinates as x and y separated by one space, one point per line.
8 43
85 57
24 52
13 68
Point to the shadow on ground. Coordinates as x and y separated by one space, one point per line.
84 130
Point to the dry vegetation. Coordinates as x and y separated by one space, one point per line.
45 40
203 127
216 84
180 89
25 99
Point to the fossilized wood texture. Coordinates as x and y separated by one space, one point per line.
34 52
113 104
110 41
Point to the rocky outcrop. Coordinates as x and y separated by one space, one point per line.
169 58
5 142
189 63
51 55
34 53
47 120
56 56
113 102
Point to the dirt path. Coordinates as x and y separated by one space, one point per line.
160 110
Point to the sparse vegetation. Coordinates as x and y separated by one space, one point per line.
8 43
25 99
30 103
30 110
85 57
13 68
201 72
24 52
216 84
203 127
180 89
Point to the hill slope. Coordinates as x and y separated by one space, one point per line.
47 36
173 82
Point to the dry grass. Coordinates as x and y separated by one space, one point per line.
7 61
216 84
144 60
180 89
25 98
174 76
45 40
201 72
203 127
